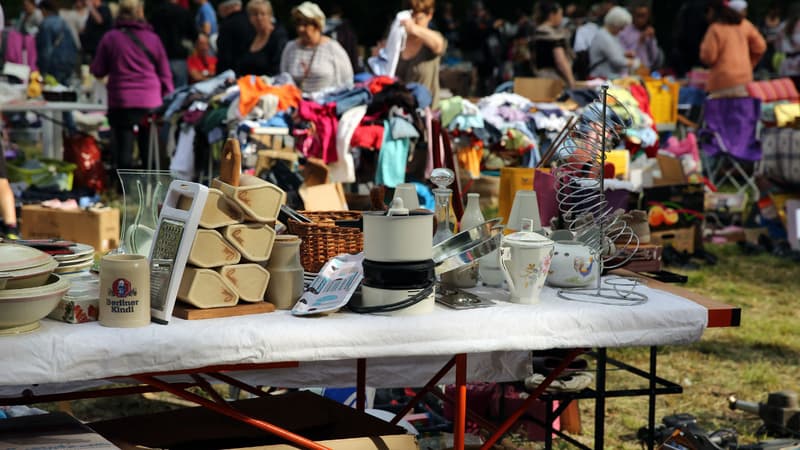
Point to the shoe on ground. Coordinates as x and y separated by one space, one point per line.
570 382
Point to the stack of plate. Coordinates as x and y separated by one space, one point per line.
81 259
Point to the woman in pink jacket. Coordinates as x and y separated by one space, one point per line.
133 58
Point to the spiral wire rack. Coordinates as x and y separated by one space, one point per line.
579 155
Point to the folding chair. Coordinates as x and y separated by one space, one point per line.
730 151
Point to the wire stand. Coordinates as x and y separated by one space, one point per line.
580 191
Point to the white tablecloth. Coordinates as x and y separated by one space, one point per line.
401 350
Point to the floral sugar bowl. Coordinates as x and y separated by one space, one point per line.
574 265
525 261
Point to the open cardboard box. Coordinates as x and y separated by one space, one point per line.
538 89
304 413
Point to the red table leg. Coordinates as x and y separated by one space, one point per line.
427 388
361 384
230 412
509 422
460 413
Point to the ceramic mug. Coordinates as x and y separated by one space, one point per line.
574 265
525 270
124 291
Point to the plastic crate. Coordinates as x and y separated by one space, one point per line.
52 172
664 96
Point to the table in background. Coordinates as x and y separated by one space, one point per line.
51 128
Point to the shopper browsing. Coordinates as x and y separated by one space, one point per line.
315 61
731 48
419 60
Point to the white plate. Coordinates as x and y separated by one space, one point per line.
78 251
74 268
73 262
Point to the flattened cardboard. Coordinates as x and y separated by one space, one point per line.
538 89
54 431
305 413
323 197
671 171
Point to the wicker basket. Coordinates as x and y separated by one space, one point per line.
322 239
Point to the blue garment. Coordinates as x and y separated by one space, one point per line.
180 72
206 14
421 93
57 52
348 98
392 159
402 128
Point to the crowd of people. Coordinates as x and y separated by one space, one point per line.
144 57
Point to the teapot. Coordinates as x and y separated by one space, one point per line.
574 264
525 262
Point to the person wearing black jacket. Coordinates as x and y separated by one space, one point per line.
234 36
175 26
97 23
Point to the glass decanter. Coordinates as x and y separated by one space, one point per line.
442 178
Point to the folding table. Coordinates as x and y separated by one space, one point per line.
59 360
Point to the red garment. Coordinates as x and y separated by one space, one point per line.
251 88
377 84
206 65
325 127
639 92
368 136
184 3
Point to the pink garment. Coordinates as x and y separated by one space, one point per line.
429 134
18 44
325 125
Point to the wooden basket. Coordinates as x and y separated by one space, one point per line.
322 239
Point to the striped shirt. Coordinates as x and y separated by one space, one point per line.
329 65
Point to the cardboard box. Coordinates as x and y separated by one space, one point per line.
54 431
681 239
672 207
304 413
538 89
670 170
644 258
98 228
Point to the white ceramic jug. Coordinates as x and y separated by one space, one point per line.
525 260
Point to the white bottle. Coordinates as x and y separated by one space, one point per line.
472 213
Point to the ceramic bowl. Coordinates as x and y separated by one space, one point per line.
32 276
18 257
21 309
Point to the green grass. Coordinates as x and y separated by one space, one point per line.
750 361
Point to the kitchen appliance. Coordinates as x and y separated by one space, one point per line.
399 274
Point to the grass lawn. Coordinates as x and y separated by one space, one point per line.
760 356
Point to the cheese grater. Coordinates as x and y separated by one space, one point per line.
177 227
